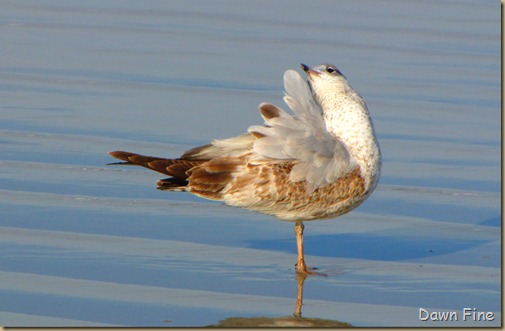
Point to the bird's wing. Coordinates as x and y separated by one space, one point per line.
319 157
316 156
231 147
176 168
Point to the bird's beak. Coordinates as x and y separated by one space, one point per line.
309 71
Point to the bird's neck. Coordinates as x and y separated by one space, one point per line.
347 118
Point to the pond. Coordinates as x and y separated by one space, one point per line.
87 244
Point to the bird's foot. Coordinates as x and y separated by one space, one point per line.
302 269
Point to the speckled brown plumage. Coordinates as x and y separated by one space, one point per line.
275 194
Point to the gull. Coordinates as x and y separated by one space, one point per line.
318 163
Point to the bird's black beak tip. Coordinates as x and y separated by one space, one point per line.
304 67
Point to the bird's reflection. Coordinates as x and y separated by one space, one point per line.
286 321
300 279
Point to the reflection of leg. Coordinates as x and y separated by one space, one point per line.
299 296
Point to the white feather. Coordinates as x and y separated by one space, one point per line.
319 156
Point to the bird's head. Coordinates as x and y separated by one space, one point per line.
325 78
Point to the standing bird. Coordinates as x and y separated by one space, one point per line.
319 163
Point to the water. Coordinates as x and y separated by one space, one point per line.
88 244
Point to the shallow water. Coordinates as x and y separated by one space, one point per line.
88 244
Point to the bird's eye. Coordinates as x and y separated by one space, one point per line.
333 71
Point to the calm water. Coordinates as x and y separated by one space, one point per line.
88 244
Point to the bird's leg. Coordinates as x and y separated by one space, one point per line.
301 267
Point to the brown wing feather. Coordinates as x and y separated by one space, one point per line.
210 178
176 168
198 170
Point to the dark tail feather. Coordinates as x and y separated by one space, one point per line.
172 184
176 168
134 159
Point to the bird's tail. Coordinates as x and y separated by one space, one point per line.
177 169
